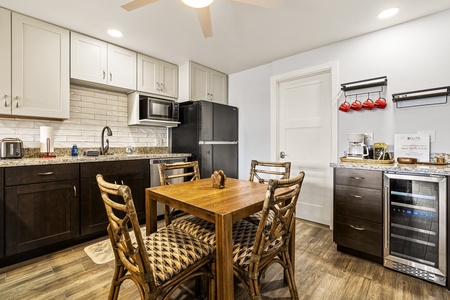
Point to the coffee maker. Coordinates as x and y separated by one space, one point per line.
357 148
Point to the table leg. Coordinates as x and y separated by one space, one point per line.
224 257
151 224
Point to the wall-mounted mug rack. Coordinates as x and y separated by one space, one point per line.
366 87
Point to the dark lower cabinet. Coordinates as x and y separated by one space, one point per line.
41 207
135 174
358 213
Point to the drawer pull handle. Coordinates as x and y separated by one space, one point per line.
357 178
46 173
74 191
356 196
357 228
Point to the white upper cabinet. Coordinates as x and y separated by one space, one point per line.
98 62
198 82
5 61
157 77
36 67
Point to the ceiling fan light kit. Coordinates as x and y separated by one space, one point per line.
197 3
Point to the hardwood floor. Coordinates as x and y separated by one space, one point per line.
321 272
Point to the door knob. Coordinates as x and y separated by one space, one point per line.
282 154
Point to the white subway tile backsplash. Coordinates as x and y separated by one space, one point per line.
90 110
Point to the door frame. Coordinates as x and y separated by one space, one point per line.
275 81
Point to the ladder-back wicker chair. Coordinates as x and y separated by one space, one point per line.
262 171
256 247
159 263
173 172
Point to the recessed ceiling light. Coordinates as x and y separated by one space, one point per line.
387 13
197 3
115 33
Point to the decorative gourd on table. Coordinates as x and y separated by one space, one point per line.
218 178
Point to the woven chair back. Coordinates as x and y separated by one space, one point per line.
123 219
188 171
263 171
282 206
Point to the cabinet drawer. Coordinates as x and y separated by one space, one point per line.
359 178
90 170
359 235
362 203
40 174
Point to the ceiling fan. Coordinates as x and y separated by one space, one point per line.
202 9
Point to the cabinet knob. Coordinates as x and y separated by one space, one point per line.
110 76
17 101
6 101
104 74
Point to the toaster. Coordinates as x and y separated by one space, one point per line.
11 148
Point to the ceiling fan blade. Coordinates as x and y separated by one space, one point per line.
134 4
262 3
204 17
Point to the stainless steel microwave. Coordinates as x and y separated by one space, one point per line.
158 109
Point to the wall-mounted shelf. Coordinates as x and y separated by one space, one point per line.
364 84
440 94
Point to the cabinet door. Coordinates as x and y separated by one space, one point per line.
88 59
218 87
5 61
148 74
121 67
40 214
93 214
168 79
199 76
40 68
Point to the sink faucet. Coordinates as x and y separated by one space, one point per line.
104 148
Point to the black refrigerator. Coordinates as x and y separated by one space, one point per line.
209 131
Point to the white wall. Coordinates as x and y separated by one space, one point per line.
413 56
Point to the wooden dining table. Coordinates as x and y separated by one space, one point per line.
239 199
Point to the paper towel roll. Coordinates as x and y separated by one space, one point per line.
46 134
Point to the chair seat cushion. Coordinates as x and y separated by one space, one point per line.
256 217
171 250
197 227
244 234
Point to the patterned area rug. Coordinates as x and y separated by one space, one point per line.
101 252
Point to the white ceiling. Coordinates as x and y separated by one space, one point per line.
245 36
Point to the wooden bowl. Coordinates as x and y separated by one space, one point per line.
406 160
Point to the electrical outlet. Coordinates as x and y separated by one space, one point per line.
432 134
368 138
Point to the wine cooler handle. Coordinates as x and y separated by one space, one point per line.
386 216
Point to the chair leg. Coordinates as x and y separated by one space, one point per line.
119 272
290 275
212 281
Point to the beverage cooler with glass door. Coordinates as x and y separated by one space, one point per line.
415 225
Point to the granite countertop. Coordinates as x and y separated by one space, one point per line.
83 159
396 167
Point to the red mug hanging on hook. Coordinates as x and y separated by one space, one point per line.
345 107
356 105
380 103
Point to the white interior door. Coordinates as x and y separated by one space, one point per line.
304 133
